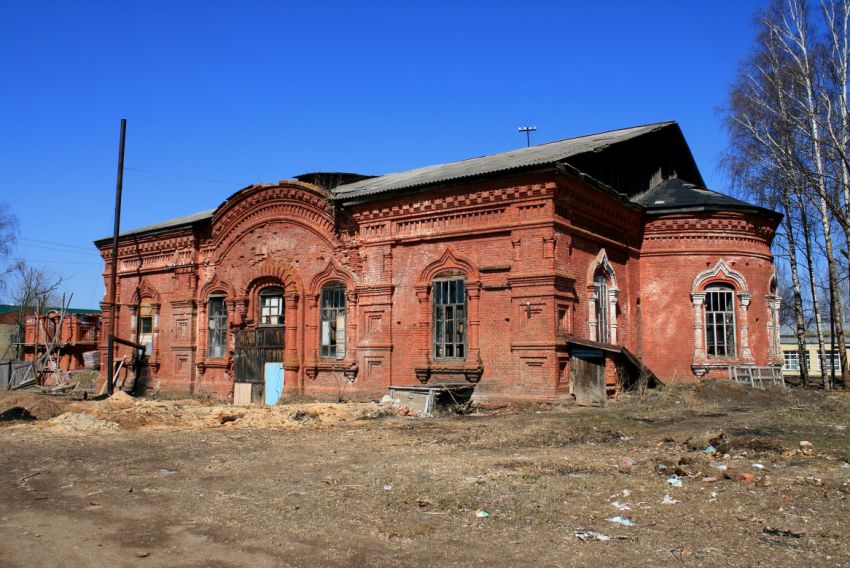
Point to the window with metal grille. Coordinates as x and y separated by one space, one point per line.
271 307
449 299
217 323
720 321
333 321
600 290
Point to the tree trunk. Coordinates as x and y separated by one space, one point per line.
807 239
800 330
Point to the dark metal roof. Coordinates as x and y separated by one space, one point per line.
544 154
675 195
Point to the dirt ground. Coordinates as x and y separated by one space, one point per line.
185 483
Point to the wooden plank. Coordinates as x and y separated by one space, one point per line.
242 393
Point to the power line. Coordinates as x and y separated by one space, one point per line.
226 182
57 249
54 261
55 243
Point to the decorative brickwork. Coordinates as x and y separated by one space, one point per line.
534 252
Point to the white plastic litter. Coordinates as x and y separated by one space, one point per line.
667 500
674 480
587 535
620 521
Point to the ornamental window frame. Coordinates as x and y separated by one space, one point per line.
603 300
217 326
720 274
333 320
719 311
450 317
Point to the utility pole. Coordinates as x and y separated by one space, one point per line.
528 130
110 386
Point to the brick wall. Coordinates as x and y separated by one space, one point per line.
527 246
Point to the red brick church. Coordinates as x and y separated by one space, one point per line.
521 272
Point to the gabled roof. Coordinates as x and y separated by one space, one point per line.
544 154
675 195
582 154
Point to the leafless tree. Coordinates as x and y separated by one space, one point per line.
33 289
788 121
8 238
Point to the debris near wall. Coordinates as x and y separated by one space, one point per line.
27 406
91 360
79 423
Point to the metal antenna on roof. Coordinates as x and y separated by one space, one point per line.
528 130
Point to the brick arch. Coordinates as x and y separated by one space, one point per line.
216 284
294 203
144 291
602 263
331 273
719 273
271 272
448 261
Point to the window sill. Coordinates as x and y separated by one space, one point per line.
346 366
452 368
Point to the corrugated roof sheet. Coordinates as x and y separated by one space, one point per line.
515 159
170 224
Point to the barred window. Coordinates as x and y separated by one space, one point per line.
271 307
333 321
449 302
720 321
217 322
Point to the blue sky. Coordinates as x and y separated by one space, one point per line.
226 94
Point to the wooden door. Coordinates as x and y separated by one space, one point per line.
255 348
588 374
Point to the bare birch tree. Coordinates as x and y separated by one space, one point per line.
788 123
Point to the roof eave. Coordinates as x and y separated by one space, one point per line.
147 233
654 210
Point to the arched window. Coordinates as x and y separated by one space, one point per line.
217 326
449 300
600 291
333 321
271 306
720 321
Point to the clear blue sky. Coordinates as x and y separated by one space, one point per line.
235 93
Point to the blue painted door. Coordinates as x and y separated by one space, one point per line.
274 382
